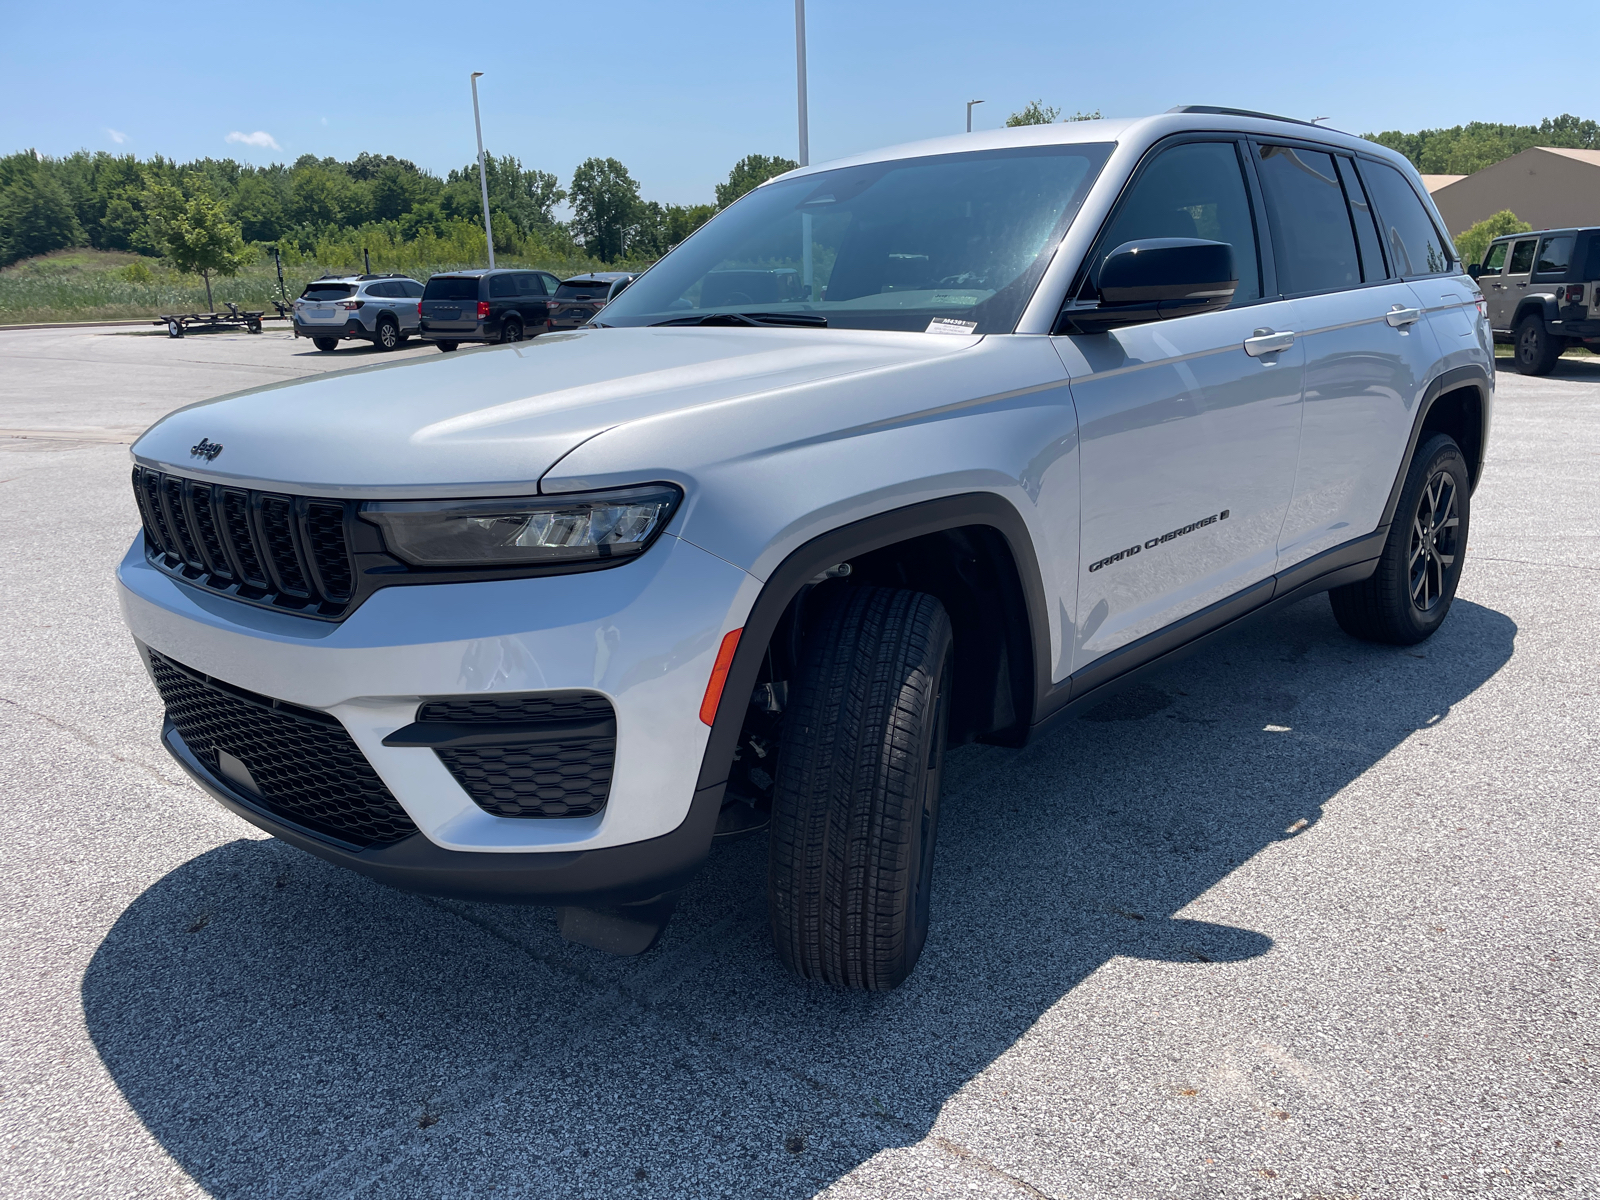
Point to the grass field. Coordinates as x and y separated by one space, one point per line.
101 285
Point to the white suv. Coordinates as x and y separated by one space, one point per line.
930 445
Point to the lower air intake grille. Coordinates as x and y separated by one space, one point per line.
560 774
304 765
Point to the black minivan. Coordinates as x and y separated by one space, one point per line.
502 305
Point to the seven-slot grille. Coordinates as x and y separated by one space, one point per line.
288 552
304 764
566 772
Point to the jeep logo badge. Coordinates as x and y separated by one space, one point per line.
206 449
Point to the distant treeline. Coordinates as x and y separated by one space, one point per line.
115 202
1463 149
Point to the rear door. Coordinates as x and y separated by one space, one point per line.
1187 435
1369 348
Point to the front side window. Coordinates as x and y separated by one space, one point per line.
1495 261
1195 190
1555 255
960 238
1414 243
1313 242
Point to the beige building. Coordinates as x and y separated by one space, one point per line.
1547 187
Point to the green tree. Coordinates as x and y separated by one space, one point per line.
749 173
257 209
1036 113
1471 243
1463 149
195 233
36 217
605 207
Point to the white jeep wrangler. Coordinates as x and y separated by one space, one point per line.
929 445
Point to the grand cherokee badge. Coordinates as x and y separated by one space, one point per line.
206 449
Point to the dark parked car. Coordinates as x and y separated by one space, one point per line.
1543 292
579 298
503 305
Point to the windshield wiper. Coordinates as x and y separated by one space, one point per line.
798 320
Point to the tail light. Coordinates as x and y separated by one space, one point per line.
1574 293
351 304
483 310
419 308
551 305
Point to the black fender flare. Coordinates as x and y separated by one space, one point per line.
861 537
1539 304
1454 380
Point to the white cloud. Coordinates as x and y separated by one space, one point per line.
259 138
117 136
324 120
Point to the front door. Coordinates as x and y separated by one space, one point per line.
1189 427
1492 279
1519 269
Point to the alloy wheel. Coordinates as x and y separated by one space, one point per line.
1434 537
1528 344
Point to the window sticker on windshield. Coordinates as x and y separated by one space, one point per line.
950 325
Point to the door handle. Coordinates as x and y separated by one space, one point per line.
1265 341
1398 316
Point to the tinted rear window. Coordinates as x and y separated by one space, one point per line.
1313 240
1592 271
448 287
1556 254
327 291
1412 239
572 291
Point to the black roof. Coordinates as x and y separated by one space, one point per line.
479 272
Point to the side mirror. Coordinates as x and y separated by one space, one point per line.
1156 278
1475 270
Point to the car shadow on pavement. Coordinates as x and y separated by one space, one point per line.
283 1027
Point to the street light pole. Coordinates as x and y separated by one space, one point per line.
970 103
800 78
483 177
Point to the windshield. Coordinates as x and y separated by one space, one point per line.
447 287
327 291
956 241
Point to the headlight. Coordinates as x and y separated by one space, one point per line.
529 531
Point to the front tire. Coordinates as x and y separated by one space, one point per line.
325 343
1408 597
1536 352
855 808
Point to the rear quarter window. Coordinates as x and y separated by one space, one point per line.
450 288
1414 243
1591 269
1555 255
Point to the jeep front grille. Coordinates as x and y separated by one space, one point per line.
306 767
286 552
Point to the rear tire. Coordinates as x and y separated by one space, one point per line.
511 331
855 808
325 343
1535 351
447 347
1408 597
388 333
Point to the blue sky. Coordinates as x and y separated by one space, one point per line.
680 91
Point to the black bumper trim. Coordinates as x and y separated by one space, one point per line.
613 875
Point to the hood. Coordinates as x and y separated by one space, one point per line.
484 420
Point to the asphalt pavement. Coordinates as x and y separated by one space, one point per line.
1299 917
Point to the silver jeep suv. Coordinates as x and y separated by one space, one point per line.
933 445
381 309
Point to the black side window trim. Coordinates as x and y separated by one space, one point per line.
1264 269
1455 267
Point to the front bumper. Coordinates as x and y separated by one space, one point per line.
644 634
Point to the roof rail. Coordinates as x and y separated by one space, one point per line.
1234 112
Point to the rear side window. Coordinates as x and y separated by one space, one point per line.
1313 242
502 285
448 287
1522 258
580 290
530 285
327 291
1495 261
1555 256
1194 190
1413 241
1367 240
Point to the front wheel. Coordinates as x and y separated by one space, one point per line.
325 343
855 809
1409 595
1536 351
